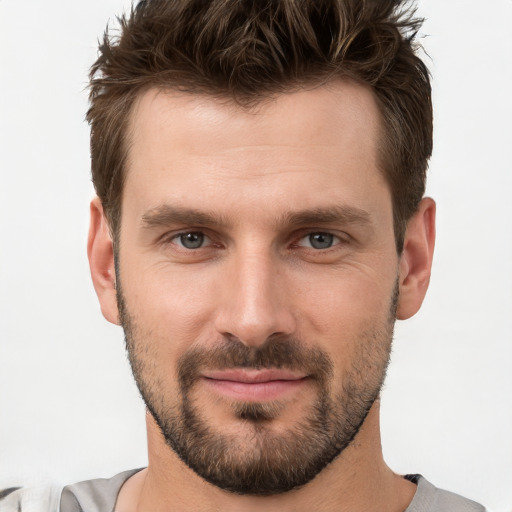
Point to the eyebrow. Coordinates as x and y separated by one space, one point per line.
329 215
165 215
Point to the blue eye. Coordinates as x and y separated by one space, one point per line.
192 240
319 240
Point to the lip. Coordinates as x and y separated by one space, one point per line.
254 385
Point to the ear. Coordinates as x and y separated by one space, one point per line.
416 259
100 250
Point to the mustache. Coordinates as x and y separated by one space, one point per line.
277 352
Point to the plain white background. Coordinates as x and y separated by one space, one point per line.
68 407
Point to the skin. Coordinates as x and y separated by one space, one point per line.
258 275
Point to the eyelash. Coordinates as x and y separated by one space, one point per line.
336 240
179 236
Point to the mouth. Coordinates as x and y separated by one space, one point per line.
253 385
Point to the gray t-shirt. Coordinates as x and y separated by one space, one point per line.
100 496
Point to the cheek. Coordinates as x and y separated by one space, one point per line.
343 298
339 313
170 309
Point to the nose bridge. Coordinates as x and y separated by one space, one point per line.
255 300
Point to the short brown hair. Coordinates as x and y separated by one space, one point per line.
250 49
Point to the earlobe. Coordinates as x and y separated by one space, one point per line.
100 250
416 259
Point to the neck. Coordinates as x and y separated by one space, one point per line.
358 479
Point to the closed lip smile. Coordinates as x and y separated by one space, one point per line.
253 376
254 385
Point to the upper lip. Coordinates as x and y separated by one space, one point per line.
253 376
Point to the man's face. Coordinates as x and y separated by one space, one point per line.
257 277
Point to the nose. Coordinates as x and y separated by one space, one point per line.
254 302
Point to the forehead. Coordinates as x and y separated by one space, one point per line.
341 107
186 148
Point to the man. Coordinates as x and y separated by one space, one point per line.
259 226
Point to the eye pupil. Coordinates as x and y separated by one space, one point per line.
321 240
192 240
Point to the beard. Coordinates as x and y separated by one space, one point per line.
263 460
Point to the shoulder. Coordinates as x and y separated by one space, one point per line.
429 498
29 498
98 495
